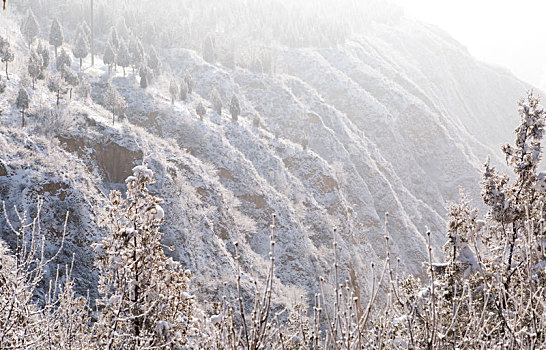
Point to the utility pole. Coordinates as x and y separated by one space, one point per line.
92 37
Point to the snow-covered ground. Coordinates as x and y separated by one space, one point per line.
398 119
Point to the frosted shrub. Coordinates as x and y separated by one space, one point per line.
61 320
144 295
490 291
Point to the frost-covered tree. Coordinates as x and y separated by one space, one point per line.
200 110
84 89
143 77
183 90
216 101
256 122
228 60
55 85
234 108
85 30
189 81
81 46
35 66
44 52
123 58
6 53
136 52
123 31
63 61
71 79
56 37
153 61
208 50
304 141
144 294
490 291
30 28
113 39
114 101
22 103
173 90
109 57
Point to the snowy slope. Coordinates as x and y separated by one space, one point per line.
398 119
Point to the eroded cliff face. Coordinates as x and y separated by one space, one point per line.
397 118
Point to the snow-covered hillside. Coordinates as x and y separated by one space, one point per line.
397 119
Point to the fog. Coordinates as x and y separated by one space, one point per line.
506 33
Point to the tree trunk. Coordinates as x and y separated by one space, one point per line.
81 61
124 71
23 119
55 52
58 96
92 37
7 75
70 93
113 116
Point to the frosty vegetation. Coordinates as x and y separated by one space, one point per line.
487 294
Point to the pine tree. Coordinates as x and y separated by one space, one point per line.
144 298
44 52
71 79
109 57
143 77
216 100
84 89
56 37
136 52
208 50
55 85
63 61
30 28
234 108
35 66
113 39
6 54
114 101
200 110
22 102
304 141
81 46
123 31
183 90
229 59
153 61
173 90
189 81
123 58
86 31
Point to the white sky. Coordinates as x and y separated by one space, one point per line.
510 33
